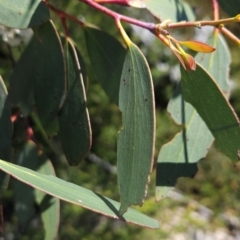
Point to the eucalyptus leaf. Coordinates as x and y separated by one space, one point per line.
107 57
217 63
179 157
200 90
23 14
50 79
135 147
74 123
83 67
75 194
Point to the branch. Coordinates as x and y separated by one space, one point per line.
215 9
199 24
230 35
104 164
62 14
116 16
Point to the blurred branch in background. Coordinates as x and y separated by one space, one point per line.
93 158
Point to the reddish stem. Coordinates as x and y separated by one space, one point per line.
61 14
215 10
146 25
200 24
230 35
64 23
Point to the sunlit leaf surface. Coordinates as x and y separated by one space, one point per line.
77 195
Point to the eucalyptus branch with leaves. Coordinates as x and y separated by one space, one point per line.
51 97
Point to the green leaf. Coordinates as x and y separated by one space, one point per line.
75 194
178 158
200 90
49 86
217 63
83 66
74 123
136 139
24 194
80 60
107 57
23 14
49 206
175 10
22 81
231 7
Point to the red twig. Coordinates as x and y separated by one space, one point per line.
215 10
146 25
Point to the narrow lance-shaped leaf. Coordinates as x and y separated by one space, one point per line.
136 139
107 57
74 123
23 14
178 158
49 206
49 86
200 90
75 194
